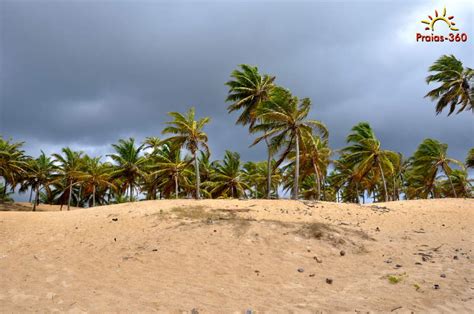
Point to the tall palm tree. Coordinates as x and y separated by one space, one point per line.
248 89
459 183
96 175
314 159
188 133
41 171
169 170
13 163
129 163
283 119
69 169
152 142
227 178
457 86
428 159
470 158
365 154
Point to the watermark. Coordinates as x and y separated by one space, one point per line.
436 36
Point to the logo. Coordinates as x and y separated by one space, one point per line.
438 20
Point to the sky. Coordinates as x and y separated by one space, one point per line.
84 74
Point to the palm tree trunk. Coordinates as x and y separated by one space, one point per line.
79 197
357 192
70 195
452 186
131 193
5 188
31 194
36 198
93 195
269 170
297 169
383 180
176 187
198 178
318 180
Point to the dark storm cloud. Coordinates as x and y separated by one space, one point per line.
87 73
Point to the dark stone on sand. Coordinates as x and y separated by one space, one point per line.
317 259
436 286
443 275
398 266
114 219
342 253
329 281
300 270
455 257
311 275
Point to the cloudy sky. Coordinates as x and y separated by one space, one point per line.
86 73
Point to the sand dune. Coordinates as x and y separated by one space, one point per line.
237 255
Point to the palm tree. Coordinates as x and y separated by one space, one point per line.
169 170
248 89
13 163
41 172
227 179
70 166
96 175
129 163
470 159
428 159
456 89
365 155
188 133
152 142
458 184
283 119
313 159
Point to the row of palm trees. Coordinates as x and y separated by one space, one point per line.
161 169
298 158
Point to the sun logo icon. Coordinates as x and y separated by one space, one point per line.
447 20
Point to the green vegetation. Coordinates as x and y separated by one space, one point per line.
299 157
394 279
457 87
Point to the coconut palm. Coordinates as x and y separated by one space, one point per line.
248 89
129 163
69 169
428 159
227 179
314 159
96 176
283 119
169 170
41 171
458 184
152 142
188 134
13 163
365 155
457 86
470 159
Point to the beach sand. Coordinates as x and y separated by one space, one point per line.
222 256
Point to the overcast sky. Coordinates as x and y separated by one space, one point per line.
86 73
